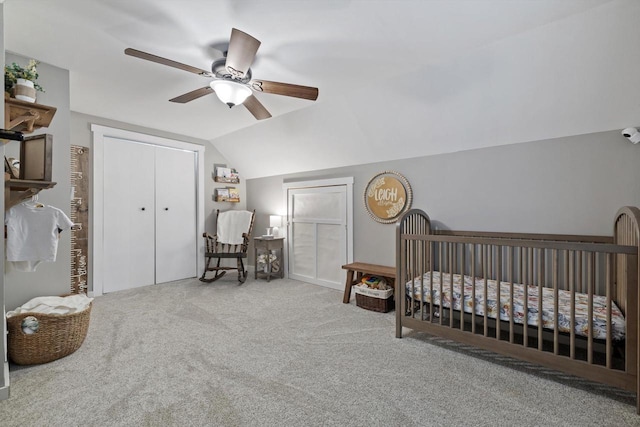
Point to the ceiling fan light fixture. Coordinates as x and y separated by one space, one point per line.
230 92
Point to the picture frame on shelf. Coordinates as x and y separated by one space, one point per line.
224 174
234 195
10 168
36 153
222 195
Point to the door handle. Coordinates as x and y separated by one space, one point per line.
166 209
142 208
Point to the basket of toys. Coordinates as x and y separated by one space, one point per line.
373 293
47 328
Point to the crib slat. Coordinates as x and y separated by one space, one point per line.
572 290
404 260
525 335
510 273
462 259
565 270
426 265
441 280
414 274
580 281
419 272
530 264
432 309
492 261
422 261
540 295
556 314
520 261
632 331
484 274
590 284
579 257
451 264
409 247
608 284
473 288
498 288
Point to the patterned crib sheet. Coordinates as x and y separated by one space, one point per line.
548 317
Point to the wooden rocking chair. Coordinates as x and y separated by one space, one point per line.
230 241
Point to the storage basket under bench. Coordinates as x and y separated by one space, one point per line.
374 299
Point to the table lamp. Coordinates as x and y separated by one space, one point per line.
275 221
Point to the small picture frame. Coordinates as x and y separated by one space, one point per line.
10 169
234 195
224 174
222 194
387 196
36 154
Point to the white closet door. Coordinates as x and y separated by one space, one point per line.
176 245
318 235
129 224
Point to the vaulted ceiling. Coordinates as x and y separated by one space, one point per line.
397 78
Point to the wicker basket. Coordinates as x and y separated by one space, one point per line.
58 336
374 299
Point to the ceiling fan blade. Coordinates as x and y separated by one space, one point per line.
256 108
164 61
242 51
286 89
194 94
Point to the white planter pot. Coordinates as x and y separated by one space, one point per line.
25 82
24 90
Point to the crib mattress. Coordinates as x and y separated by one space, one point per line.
548 317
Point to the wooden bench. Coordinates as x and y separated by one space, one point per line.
359 269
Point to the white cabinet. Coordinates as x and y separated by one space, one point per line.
149 214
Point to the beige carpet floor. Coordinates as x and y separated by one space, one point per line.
286 353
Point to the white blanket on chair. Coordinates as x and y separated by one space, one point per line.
231 225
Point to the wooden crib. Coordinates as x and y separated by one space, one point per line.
566 302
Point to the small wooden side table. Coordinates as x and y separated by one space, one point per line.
359 269
266 246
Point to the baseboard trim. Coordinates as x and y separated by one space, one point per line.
4 389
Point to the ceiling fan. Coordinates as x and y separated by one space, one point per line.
232 81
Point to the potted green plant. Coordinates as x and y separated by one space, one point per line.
22 80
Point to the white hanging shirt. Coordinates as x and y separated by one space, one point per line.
32 234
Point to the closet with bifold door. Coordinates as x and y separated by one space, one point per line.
149 230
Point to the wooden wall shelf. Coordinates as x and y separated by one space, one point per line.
18 190
227 180
26 116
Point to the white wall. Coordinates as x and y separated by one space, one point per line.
574 76
571 185
50 278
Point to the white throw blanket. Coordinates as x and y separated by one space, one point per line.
231 225
54 305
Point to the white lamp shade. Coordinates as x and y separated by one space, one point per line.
275 221
230 92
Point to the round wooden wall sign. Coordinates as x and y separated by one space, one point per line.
387 196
